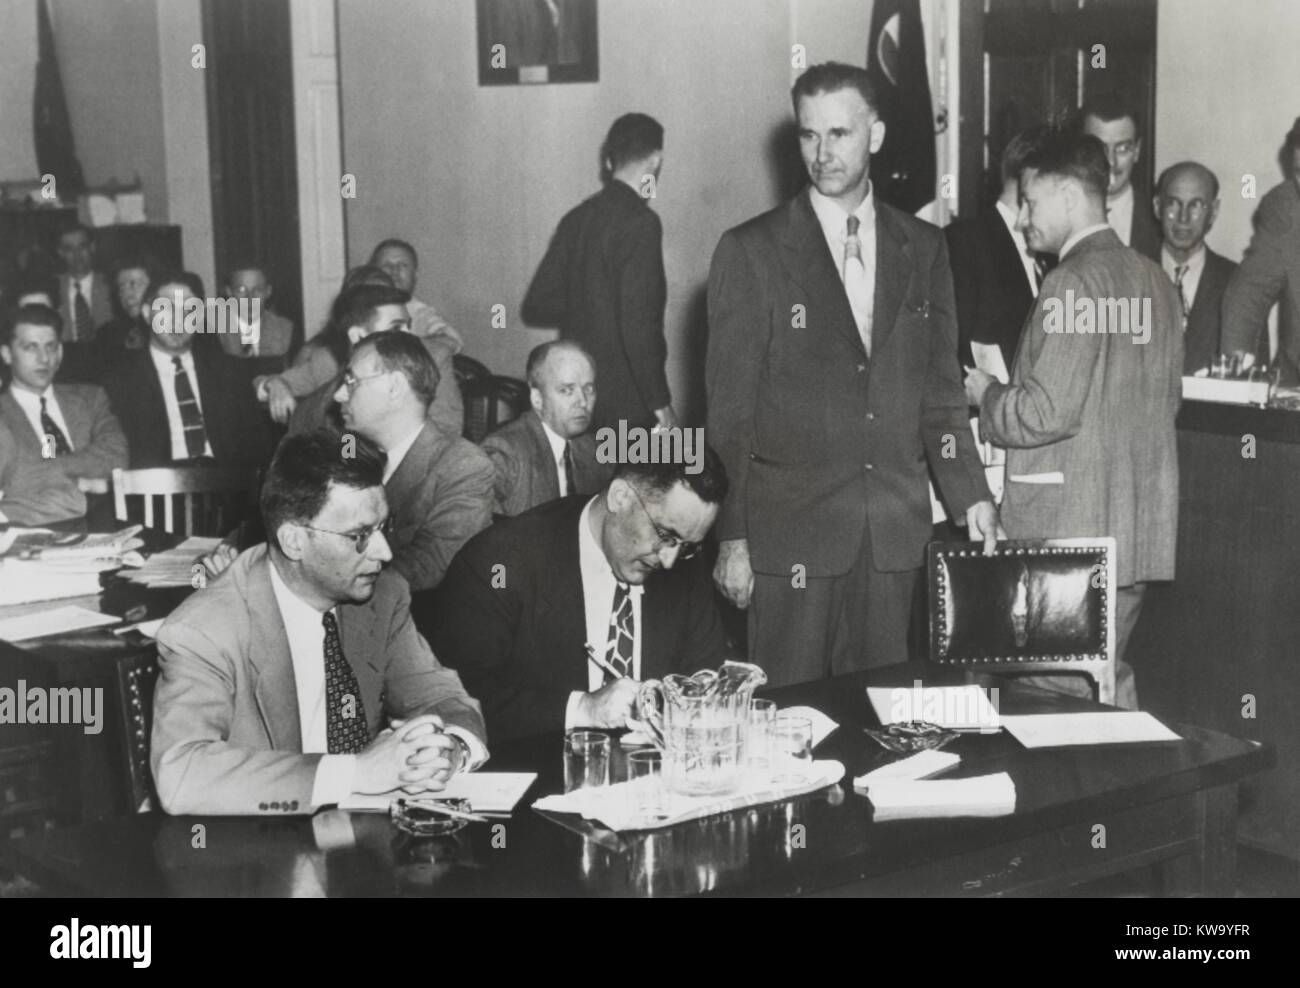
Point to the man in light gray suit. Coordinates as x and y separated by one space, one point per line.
297 679
547 453
1088 418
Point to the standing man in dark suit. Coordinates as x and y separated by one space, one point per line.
995 276
1187 200
297 679
547 452
602 279
63 432
831 384
1269 273
1088 418
1112 121
85 297
537 610
181 399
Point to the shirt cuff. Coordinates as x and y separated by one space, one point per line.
571 710
478 752
333 779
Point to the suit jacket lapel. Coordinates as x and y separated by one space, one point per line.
415 466
893 275
808 262
155 406
656 619
562 607
20 424
274 684
543 465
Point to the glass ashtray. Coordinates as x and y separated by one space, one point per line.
422 817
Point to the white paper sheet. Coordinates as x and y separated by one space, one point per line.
913 768
54 621
988 358
957 708
1060 730
487 792
984 796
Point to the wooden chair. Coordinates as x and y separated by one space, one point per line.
136 677
217 495
492 402
1032 607
468 369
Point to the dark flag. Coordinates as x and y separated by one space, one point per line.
55 153
903 171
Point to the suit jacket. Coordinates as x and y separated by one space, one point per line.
1201 344
1269 272
1099 409
602 283
439 496
818 440
98 444
993 295
237 430
275 336
518 642
526 474
100 301
227 739
34 493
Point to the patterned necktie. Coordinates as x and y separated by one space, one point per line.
1180 272
855 282
196 438
80 313
569 487
622 633
50 429
345 712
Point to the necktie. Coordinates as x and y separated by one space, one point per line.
345 712
622 633
80 313
569 487
1180 272
855 282
1041 267
196 438
51 429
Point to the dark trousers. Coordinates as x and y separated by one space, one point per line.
801 630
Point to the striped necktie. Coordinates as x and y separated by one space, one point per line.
196 438
1180 272
345 713
622 634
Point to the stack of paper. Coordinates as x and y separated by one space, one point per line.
986 795
24 582
54 621
175 567
955 708
487 792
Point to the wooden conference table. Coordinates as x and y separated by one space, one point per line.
1082 813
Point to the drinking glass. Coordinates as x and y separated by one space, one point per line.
758 742
648 798
791 748
586 760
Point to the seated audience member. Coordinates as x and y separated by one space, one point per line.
64 429
181 400
1110 119
298 679
398 259
269 336
536 610
359 312
34 493
85 297
547 453
126 330
1187 202
1270 272
439 485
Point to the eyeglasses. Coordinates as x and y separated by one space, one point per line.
1123 149
1195 210
362 536
351 382
664 538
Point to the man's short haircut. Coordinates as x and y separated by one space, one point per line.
831 77
383 245
1107 106
632 137
366 274
353 307
1069 155
709 485
135 262
76 227
404 353
31 315
245 264
162 279
1019 148
1196 166
31 283
303 469
537 357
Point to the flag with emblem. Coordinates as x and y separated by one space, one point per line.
903 170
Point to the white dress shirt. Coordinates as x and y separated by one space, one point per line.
1085 232
1119 214
833 220
1022 249
30 403
1191 277
304 627
162 363
598 587
394 456
558 444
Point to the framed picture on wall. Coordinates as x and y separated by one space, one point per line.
536 41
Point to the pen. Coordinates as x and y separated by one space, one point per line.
602 663
434 807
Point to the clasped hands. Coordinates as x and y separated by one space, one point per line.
415 755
